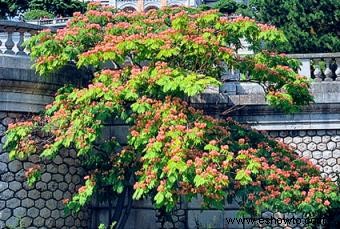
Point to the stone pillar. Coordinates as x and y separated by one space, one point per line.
140 5
163 3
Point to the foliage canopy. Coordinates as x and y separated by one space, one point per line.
11 8
145 66
309 25
37 14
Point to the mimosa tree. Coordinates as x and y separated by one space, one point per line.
144 68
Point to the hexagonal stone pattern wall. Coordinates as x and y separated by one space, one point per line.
322 147
40 206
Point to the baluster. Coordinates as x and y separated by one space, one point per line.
20 44
317 70
328 72
9 43
337 71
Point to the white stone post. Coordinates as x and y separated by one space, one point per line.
337 71
317 70
328 72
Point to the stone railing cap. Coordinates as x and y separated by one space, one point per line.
17 25
314 55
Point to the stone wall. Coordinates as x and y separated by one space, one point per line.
322 147
40 206
314 132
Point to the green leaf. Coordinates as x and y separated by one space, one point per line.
198 180
159 198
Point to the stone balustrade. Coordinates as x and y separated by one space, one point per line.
13 35
320 66
59 22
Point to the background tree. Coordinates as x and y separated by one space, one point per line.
227 6
58 7
144 67
309 25
11 8
37 14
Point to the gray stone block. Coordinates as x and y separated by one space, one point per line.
326 154
336 168
41 186
19 212
58 195
336 153
2 204
5 214
6 194
13 203
34 194
46 177
50 223
39 221
311 146
302 147
52 186
15 185
307 139
63 186
60 223
7 177
316 139
335 138
27 203
331 145
15 166
72 170
3 156
321 146
26 222
12 222
51 204
55 214
46 195
69 221
331 161
76 179
45 213
39 203
62 169
58 160
3 186
326 139
52 168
